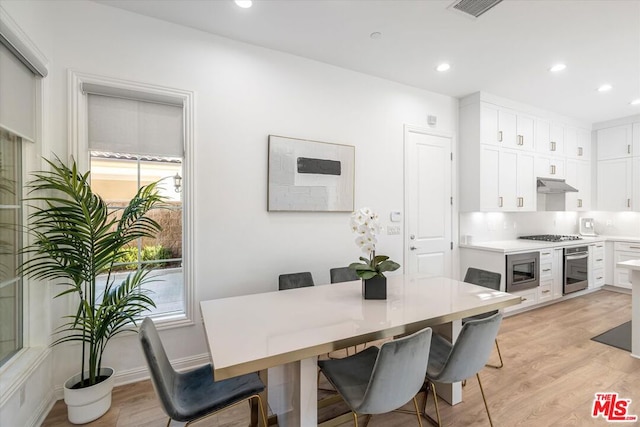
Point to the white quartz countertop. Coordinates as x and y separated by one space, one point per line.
632 264
519 245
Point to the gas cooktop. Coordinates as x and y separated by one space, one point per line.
551 237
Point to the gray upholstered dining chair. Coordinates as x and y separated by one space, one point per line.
487 279
450 363
193 395
380 380
294 280
343 274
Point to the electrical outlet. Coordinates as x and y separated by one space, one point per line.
393 230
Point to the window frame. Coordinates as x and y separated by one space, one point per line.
79 149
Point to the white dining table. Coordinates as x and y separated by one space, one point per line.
287 330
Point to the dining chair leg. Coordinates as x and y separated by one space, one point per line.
499 356
432 386
263 413
484 399
174 423
415 404
355 419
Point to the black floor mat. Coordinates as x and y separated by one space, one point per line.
619 337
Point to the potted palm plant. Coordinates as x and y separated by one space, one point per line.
74 240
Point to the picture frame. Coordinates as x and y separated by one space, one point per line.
310 176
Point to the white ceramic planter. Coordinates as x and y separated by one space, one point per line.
88 403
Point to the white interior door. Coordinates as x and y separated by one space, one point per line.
428 202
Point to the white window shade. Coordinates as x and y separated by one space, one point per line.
17 96
134 126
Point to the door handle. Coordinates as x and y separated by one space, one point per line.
413 248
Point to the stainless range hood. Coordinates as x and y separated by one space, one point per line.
554 186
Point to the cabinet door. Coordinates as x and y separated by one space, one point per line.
490 198
578 175
614 142
507 128
508 181
526 182
550 167
556 137
614 184
543 137
489 131
584 144
635 146
525 126
571 142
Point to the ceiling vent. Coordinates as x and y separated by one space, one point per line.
473 8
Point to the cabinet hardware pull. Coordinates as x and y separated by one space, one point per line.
599 277
553 169
499 136
553 146
628 203
581 272
520 202
599 259
628 148
579 203
546 253
634 247
546 269
546 291
520 140
500 201
524 299
579 151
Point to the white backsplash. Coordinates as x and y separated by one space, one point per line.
491 226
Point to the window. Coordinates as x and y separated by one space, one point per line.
21 68
116 177
129 135
11 319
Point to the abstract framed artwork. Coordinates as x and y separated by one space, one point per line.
310 175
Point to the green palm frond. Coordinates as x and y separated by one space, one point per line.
75 238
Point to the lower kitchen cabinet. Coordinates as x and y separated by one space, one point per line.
596 265
624 251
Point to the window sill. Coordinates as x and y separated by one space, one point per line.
18 370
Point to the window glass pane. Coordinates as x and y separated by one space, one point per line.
117 177
10 244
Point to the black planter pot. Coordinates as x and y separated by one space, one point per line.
374 288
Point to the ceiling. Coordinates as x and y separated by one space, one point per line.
506 52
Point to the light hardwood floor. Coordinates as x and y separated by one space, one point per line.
552 371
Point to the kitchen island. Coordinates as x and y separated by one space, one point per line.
634 266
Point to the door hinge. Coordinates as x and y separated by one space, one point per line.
451 245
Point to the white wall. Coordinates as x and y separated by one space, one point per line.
243 94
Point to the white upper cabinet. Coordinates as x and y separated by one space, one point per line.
615 142
583 149
578 175
549 138
506 128
615 185
550 166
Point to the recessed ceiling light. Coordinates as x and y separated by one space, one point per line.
557 67
635 102
443 67
376 35
245 4
604 88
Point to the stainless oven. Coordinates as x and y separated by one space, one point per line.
522 271
576 264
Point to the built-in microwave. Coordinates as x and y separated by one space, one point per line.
522 271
